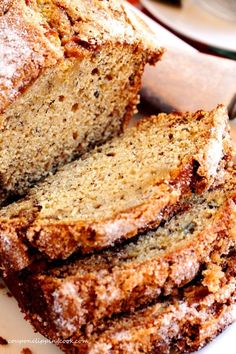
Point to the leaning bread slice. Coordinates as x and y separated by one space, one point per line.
75 296
126 186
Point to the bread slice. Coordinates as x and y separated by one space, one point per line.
183 323
122 188
69 78
76 296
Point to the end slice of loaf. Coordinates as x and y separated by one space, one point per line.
122 188
76 296
69 79
182 323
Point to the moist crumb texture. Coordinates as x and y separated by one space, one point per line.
118 190
69 77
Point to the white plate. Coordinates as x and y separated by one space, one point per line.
13 327
165 37
196 23
12 323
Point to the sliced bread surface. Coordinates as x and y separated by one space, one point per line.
76 296
120 189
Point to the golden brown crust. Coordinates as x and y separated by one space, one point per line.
185 322
26 48
108 287
78 295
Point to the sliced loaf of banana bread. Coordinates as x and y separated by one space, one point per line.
119 190
70 72
76 296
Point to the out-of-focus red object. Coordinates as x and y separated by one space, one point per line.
134 2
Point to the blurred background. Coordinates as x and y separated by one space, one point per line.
207 25
190 80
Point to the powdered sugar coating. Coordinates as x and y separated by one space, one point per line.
35 35
24 51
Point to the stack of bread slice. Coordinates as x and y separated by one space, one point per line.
132 247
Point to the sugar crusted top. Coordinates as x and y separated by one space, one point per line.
25 48
35 34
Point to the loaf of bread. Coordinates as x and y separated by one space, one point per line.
70 72
73 298
117 191
180 324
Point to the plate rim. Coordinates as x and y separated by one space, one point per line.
149 5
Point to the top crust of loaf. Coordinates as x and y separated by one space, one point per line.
26 47
36 34
40 220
